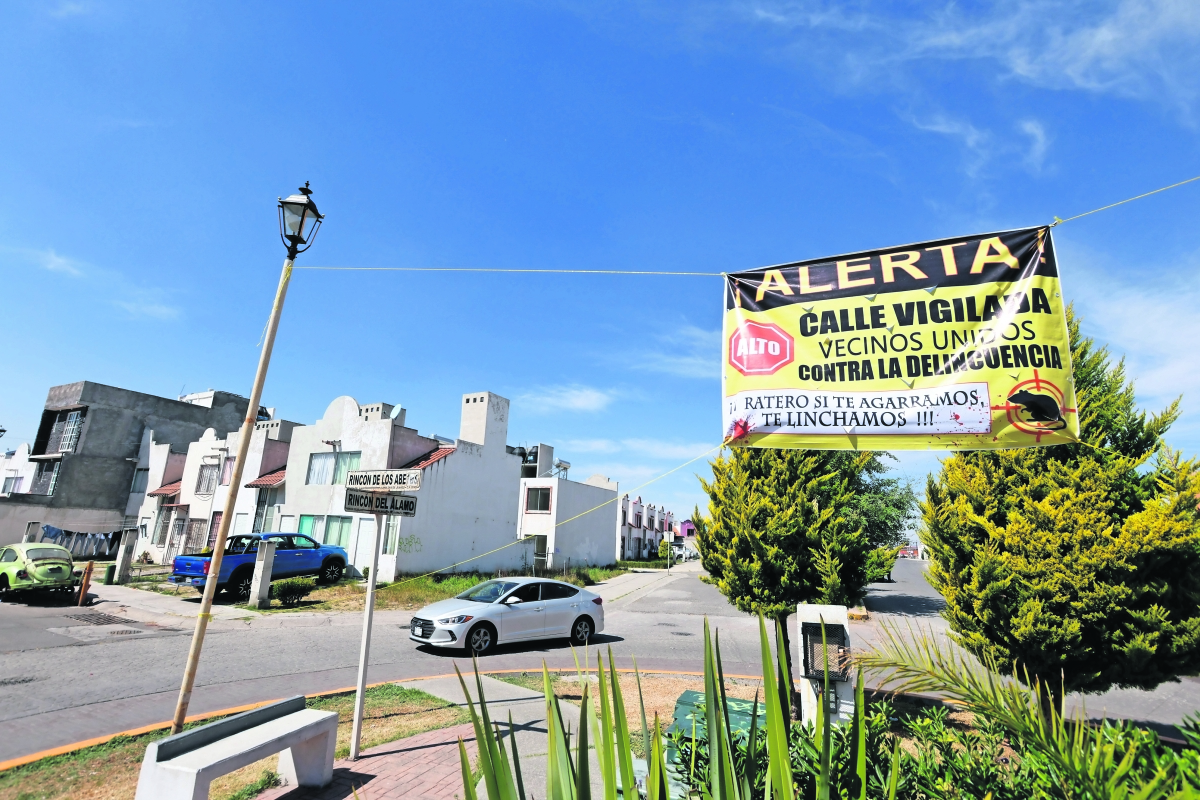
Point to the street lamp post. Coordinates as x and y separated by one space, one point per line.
299 222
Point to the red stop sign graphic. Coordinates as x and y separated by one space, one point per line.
760 348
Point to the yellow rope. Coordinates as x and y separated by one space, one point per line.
565 521
543 271
1058 221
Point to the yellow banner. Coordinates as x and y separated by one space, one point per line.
956 344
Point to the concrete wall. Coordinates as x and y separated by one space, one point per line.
587 540
92 493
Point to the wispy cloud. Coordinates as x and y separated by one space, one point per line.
1145 49
70 9
1039 143
976 143
1149 324
106 285
48 259
572 397
684 351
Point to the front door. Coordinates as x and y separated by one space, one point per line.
523 617
562 607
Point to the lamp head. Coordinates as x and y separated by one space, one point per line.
299 220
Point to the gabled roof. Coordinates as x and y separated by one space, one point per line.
168 490
429 458
270 479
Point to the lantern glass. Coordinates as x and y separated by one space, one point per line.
299 216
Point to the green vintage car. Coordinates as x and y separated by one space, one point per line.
36 566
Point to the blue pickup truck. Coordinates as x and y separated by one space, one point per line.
294 555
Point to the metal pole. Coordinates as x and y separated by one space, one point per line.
214 570
365 651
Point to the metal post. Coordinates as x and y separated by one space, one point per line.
214 571
365 651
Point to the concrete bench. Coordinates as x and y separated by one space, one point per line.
182 766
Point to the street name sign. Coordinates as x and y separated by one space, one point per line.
384 479
405 505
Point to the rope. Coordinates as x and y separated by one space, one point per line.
497 269
565 521
1058 221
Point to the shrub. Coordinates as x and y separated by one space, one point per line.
290 591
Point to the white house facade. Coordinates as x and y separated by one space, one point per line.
554 513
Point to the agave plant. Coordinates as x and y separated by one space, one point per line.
568 776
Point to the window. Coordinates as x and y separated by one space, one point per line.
346 463
70 434
304 543
537 499
9 555
214 526
227 470
311 525
637 520
164 525
46 478
337 531
320 468
12 484
241 523
527 593
140 477
206 481
391 531
624 520
558 591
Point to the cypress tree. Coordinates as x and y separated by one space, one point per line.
1078 565
796 526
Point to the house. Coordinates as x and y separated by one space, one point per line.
183 494
88 450
17 471
465 511
640 528
554 512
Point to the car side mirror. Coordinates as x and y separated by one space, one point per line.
511 600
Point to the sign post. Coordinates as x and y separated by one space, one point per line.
382 501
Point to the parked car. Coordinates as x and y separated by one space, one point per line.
36 566
509 610
295 555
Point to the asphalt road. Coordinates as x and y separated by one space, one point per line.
63 680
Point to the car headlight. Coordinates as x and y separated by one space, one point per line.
460 619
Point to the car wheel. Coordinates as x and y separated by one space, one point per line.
582 630
331 571
240 584
481 639
4 584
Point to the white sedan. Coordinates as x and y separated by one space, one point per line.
509 610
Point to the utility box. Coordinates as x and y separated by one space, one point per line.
816 659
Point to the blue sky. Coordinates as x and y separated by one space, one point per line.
142 146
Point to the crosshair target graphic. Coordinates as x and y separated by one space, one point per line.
1042 409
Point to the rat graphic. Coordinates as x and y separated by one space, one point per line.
1041 408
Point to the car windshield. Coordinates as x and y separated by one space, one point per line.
40 553
488 591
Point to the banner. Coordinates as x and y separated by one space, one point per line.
957 344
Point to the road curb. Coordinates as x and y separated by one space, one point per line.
21 761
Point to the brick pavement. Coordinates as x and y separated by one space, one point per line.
422 767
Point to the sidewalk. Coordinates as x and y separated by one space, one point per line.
422 767
186 604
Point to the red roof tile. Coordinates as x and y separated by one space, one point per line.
270 479
168 490
429 458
